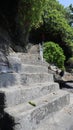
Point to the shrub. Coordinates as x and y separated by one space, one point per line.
70 62
54 54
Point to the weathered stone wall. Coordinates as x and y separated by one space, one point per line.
8 14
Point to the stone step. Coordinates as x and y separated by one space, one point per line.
9 80
27 58
31 78
27 116
27 68
17 65
62 120
13 79
16 95
33 68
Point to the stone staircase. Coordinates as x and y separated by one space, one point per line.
28 93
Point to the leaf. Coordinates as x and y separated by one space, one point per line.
32 103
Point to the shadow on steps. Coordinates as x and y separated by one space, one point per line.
6 122
65 84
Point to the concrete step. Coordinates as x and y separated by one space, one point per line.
20 62
33 68
17 65
27 58
13 79
27 116
27 68
16 95
9 80
31 78
62 120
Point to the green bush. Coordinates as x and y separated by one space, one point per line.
54 54
70 62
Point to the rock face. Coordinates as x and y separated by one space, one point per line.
7 16
5 41
4 64
9 21
28 94
11 32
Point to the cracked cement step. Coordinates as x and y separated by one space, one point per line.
21 94
19 68
13 79
62 120
27 58
28 116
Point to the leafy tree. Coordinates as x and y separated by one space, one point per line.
57 24
56 27
69 14
29 14
54 54
52 13
55 5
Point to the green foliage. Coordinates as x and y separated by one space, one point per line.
29 15
56 27
53 53
57 24
69 14
30 12
70 62
32 103
55 5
